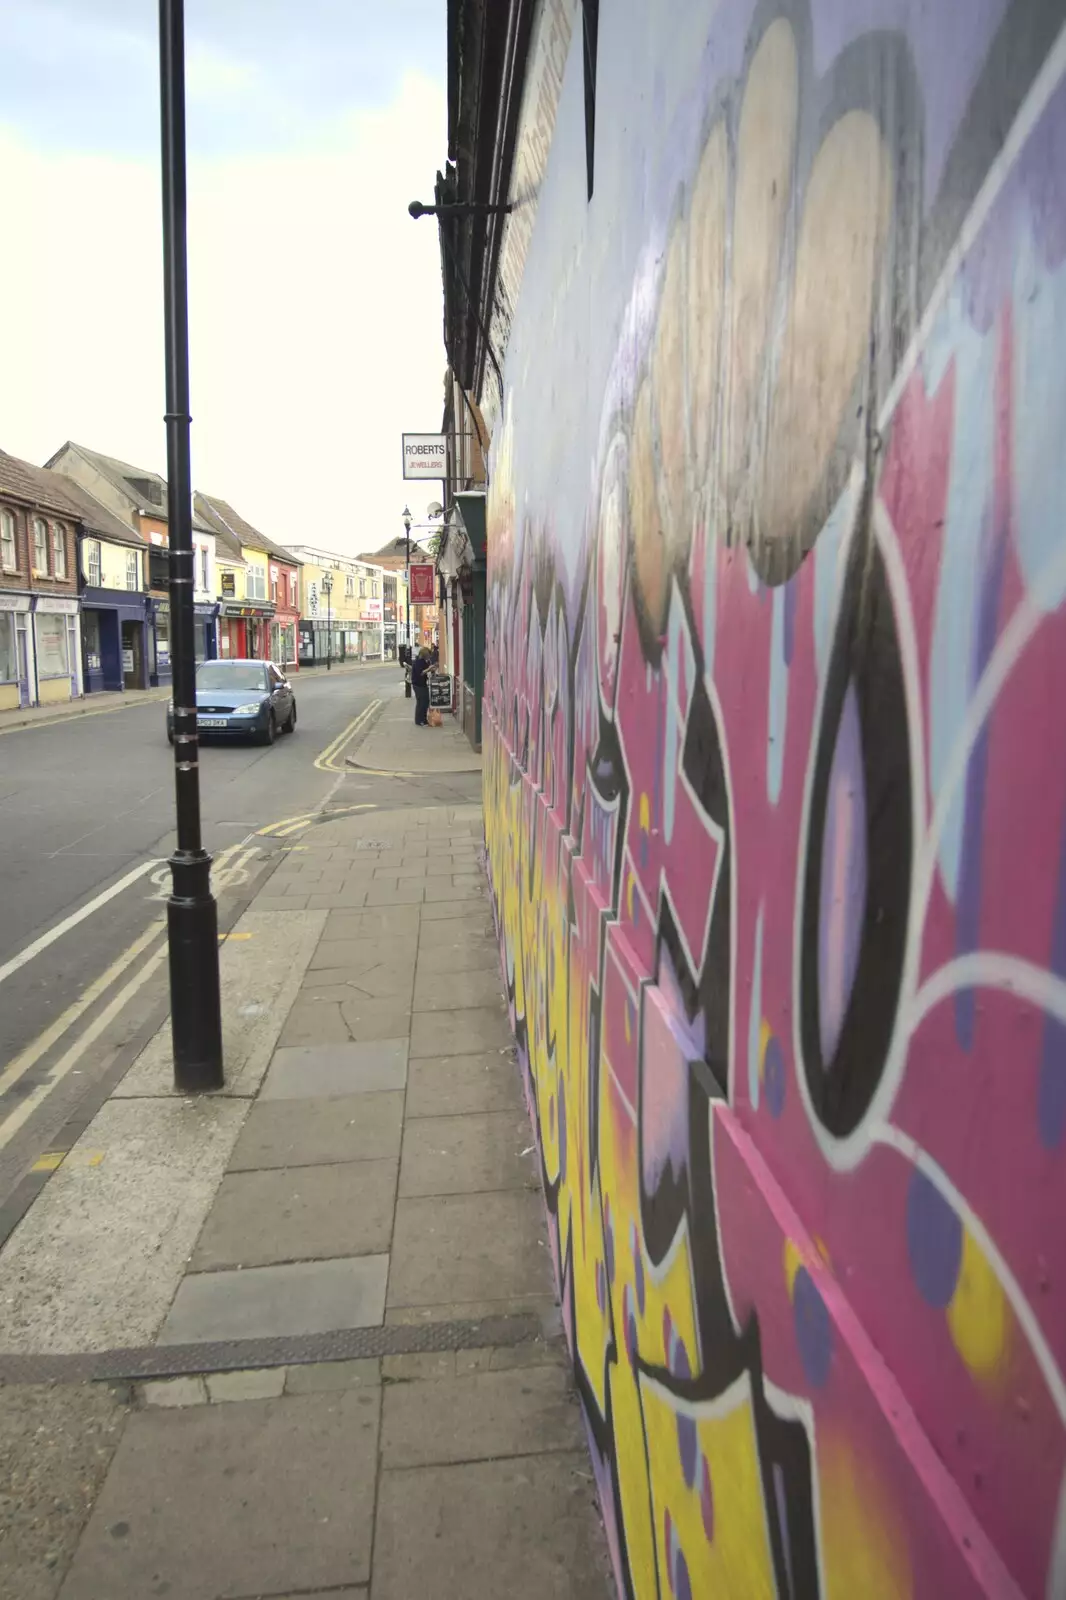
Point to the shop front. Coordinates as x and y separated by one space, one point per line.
158 618
114 651
244 631
56 649
16 661
205 631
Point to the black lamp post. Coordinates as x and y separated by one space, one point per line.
192 917
407 520
327 584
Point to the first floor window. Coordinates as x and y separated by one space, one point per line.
204 576
8 552
40 545
133 570
92 564
59 550
292 588
52 658
8 667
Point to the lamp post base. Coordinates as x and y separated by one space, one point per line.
195 1001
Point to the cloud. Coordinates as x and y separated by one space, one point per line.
315 310
262 74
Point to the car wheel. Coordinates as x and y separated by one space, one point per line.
270 732
290 722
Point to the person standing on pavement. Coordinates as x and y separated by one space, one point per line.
420 685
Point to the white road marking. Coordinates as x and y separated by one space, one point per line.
46 939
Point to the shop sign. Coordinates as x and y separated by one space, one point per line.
423 589
425 455
229 585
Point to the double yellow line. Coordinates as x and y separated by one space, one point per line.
327 761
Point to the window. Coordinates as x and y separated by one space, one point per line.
255 583
92 563
292 589
362 588
274 588
349 586
52 658
8 669
133 570
374 588
40 546
204 573
162 639
8 551
59 550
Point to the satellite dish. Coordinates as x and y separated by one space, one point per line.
434 509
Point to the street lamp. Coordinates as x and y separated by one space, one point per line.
192 916
327 585
407 520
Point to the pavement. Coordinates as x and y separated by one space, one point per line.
397 747
86 816
301 1337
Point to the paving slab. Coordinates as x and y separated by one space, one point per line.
464 1032
543 1305
439 890
96 1260
529 1411
368 1020
444 949
380 922
393 982
457 991
260 977
525 1527
356 953
262 1383
314 1022
336 1070
316 1377
307 1133
463 1155
440 1086
476 912
235 1500
56 1444
468 1247
298 1214
269 1302
393 893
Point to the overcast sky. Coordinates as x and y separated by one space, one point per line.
315 301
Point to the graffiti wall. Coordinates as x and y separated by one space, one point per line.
775 779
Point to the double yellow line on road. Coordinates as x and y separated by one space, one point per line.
327 761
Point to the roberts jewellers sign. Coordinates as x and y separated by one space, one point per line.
425 455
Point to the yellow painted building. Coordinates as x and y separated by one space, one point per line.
342 607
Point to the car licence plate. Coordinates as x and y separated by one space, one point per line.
211 722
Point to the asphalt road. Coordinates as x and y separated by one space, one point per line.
88 800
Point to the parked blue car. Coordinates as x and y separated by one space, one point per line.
241 699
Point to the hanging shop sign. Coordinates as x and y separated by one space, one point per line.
229 585
425 455
422 588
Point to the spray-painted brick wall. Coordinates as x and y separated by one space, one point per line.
775 739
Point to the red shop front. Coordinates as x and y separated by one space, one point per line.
244 631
